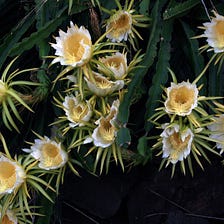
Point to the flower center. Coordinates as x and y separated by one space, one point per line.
177 144
7 176
6 220
77 112
74 47
182 99
219 29
51 155
121 24
106 130
114 62
102 82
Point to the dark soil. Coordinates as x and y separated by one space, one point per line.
145 195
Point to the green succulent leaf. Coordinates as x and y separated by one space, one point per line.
179 8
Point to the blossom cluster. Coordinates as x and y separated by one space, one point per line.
94 77
190 129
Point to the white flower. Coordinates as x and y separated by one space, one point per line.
49 153
214 32
101 86
217 129
12 175
116 63
182 98
119 26
73 48
78 112
104 135
176 144
9 217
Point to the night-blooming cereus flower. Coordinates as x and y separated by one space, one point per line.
49 153
115 64
78 112
182 98
101 86
214 32
12 175
105 133
176 145
119 26
9 218
73 48
217 132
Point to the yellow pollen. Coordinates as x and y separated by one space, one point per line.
106 130
73 47
114 62
177 144
120 24
181 99
51 155
219 30
78 113
7 176
102 82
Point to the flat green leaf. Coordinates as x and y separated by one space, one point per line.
161 75
13 37
123 138
147 61
179 8
144 7
142 145
36 37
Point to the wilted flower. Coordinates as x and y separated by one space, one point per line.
104 135
182 98
73 48
119 26
214 32
12 175
121 23
115 64
9 218
101 86
176 144
49 153
77 111
217 131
